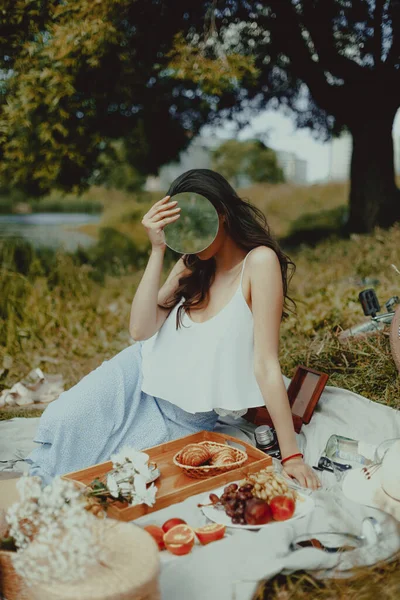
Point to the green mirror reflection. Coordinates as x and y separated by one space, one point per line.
196 227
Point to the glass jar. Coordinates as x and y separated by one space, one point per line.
334 541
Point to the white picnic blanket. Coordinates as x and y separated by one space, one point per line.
229 569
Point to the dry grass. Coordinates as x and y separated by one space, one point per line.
325 287
380 581
19 413
287 206
79 322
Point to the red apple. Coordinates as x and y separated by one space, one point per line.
257 512
171 523
282 508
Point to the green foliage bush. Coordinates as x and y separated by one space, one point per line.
66 206
64 275
10 200
114 254
115 169
249 159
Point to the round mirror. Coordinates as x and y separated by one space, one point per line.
196 227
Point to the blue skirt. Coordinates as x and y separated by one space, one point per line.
105 411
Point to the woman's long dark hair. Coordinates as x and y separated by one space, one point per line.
244 223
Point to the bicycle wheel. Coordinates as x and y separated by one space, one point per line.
395 338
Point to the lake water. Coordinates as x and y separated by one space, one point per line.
53 230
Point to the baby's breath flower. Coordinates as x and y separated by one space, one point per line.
112 485
53 532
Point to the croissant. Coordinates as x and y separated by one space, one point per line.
225 456
194 455
214 449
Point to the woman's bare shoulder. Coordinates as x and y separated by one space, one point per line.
263 256
265 279
264 269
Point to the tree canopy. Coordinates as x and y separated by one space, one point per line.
333 64
77 75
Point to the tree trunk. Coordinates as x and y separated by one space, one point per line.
374 197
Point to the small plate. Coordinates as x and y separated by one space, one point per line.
154 473
304 505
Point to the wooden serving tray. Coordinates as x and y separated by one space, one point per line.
173 485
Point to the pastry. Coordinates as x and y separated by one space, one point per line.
194 455
225 456
213 449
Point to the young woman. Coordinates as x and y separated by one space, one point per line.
207 344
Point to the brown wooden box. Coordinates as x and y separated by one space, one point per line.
173 485
304 391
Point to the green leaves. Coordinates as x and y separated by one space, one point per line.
79 76
213 74
248 159
42 136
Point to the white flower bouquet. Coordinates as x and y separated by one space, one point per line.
128 481
48 533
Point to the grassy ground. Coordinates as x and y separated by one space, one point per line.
59 310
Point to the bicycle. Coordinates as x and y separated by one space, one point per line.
378 321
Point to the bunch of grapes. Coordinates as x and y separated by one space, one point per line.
234 501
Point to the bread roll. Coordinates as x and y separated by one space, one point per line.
194 455
225 456
214 449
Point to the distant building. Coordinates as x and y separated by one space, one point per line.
196 156
300 173
294 168
340 157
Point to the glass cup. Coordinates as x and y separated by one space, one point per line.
383 448
328 541
339 473
332 541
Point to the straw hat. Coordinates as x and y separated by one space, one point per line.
395 338
130 573
377 486
12 585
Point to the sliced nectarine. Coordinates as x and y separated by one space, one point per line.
210 533
179 540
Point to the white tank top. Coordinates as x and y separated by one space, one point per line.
205 366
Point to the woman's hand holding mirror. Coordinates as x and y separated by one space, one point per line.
160 214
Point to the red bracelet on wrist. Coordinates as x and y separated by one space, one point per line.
290 457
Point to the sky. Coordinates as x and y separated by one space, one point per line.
283 135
